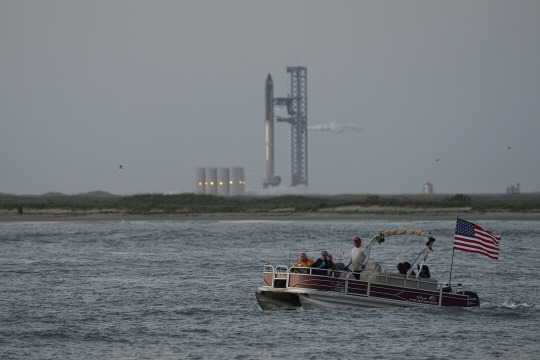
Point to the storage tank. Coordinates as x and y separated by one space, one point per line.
237 181
210 181
198 181
223 181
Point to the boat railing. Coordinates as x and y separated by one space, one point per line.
455 288
300 269
285 269
406 281
282 273
268 268
381 277
347 278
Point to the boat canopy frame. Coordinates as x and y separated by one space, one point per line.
422 256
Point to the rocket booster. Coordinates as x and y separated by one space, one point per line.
269 126
270 180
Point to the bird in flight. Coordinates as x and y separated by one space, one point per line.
120 166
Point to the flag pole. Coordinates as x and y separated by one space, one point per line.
451 266
452 263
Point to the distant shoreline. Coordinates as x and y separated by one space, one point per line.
380 214
190 207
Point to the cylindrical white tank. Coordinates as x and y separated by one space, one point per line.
210 181
223 181
198 181
237 181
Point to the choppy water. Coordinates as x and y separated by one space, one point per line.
154 290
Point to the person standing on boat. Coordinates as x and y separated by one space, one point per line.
359 256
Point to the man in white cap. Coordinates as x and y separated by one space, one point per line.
358 259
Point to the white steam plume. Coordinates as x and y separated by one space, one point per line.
336 128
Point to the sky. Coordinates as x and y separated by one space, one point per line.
446 92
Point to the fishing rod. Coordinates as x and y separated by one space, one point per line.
341 253
290 250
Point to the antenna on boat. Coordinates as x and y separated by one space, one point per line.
341 246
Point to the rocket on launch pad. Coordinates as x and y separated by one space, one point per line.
271 180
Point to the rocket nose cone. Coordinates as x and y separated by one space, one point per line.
269 80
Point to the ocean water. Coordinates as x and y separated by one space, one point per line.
175 290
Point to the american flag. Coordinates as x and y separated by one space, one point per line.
472 238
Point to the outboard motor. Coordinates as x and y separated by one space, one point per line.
474 300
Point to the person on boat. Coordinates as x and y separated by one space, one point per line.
404 268
407 267
322 263
424 272
358 258
401 268
303 262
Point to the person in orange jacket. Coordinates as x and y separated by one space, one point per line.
303 262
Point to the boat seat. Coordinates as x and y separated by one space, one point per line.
371 271
373 267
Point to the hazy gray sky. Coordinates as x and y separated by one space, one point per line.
162 87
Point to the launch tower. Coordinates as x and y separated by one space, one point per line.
296 104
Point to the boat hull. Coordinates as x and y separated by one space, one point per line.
277 299
327 301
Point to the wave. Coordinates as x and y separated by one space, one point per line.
513 305
509 305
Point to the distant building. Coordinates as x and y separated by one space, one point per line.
219 181
427 189
199 188
514 189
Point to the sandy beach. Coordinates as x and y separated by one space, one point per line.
355 214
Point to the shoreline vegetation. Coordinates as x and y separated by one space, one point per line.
102 206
